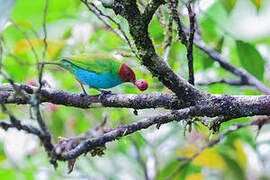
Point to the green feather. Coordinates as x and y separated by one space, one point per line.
97 63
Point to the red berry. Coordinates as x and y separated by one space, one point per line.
141 84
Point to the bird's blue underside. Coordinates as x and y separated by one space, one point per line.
99 81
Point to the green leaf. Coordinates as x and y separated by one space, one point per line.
5 9
250 59
257 3
234 169
228 5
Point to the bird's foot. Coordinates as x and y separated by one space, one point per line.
103 93
84 93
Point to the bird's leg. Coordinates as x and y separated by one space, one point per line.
84 92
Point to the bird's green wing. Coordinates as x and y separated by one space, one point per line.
97 63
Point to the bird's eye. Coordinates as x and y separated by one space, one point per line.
128 73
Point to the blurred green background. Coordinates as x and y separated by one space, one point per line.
238 29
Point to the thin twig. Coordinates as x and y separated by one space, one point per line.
14 86
93 8
225 81
27 39
181 34
47 136
40 68
15 123
168 38
190 43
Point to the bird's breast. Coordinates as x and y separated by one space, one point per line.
97 80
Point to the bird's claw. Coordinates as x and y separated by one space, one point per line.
103 93
83 94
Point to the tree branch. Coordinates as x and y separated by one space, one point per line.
124 130
136 101
222 105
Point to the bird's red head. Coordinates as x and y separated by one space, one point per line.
126 74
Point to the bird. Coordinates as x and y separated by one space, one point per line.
99 71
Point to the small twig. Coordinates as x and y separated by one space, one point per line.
225 81
261 121
93 8
47 136
168 40
15 123
27 39
14 86
40 68
181 34
190 43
